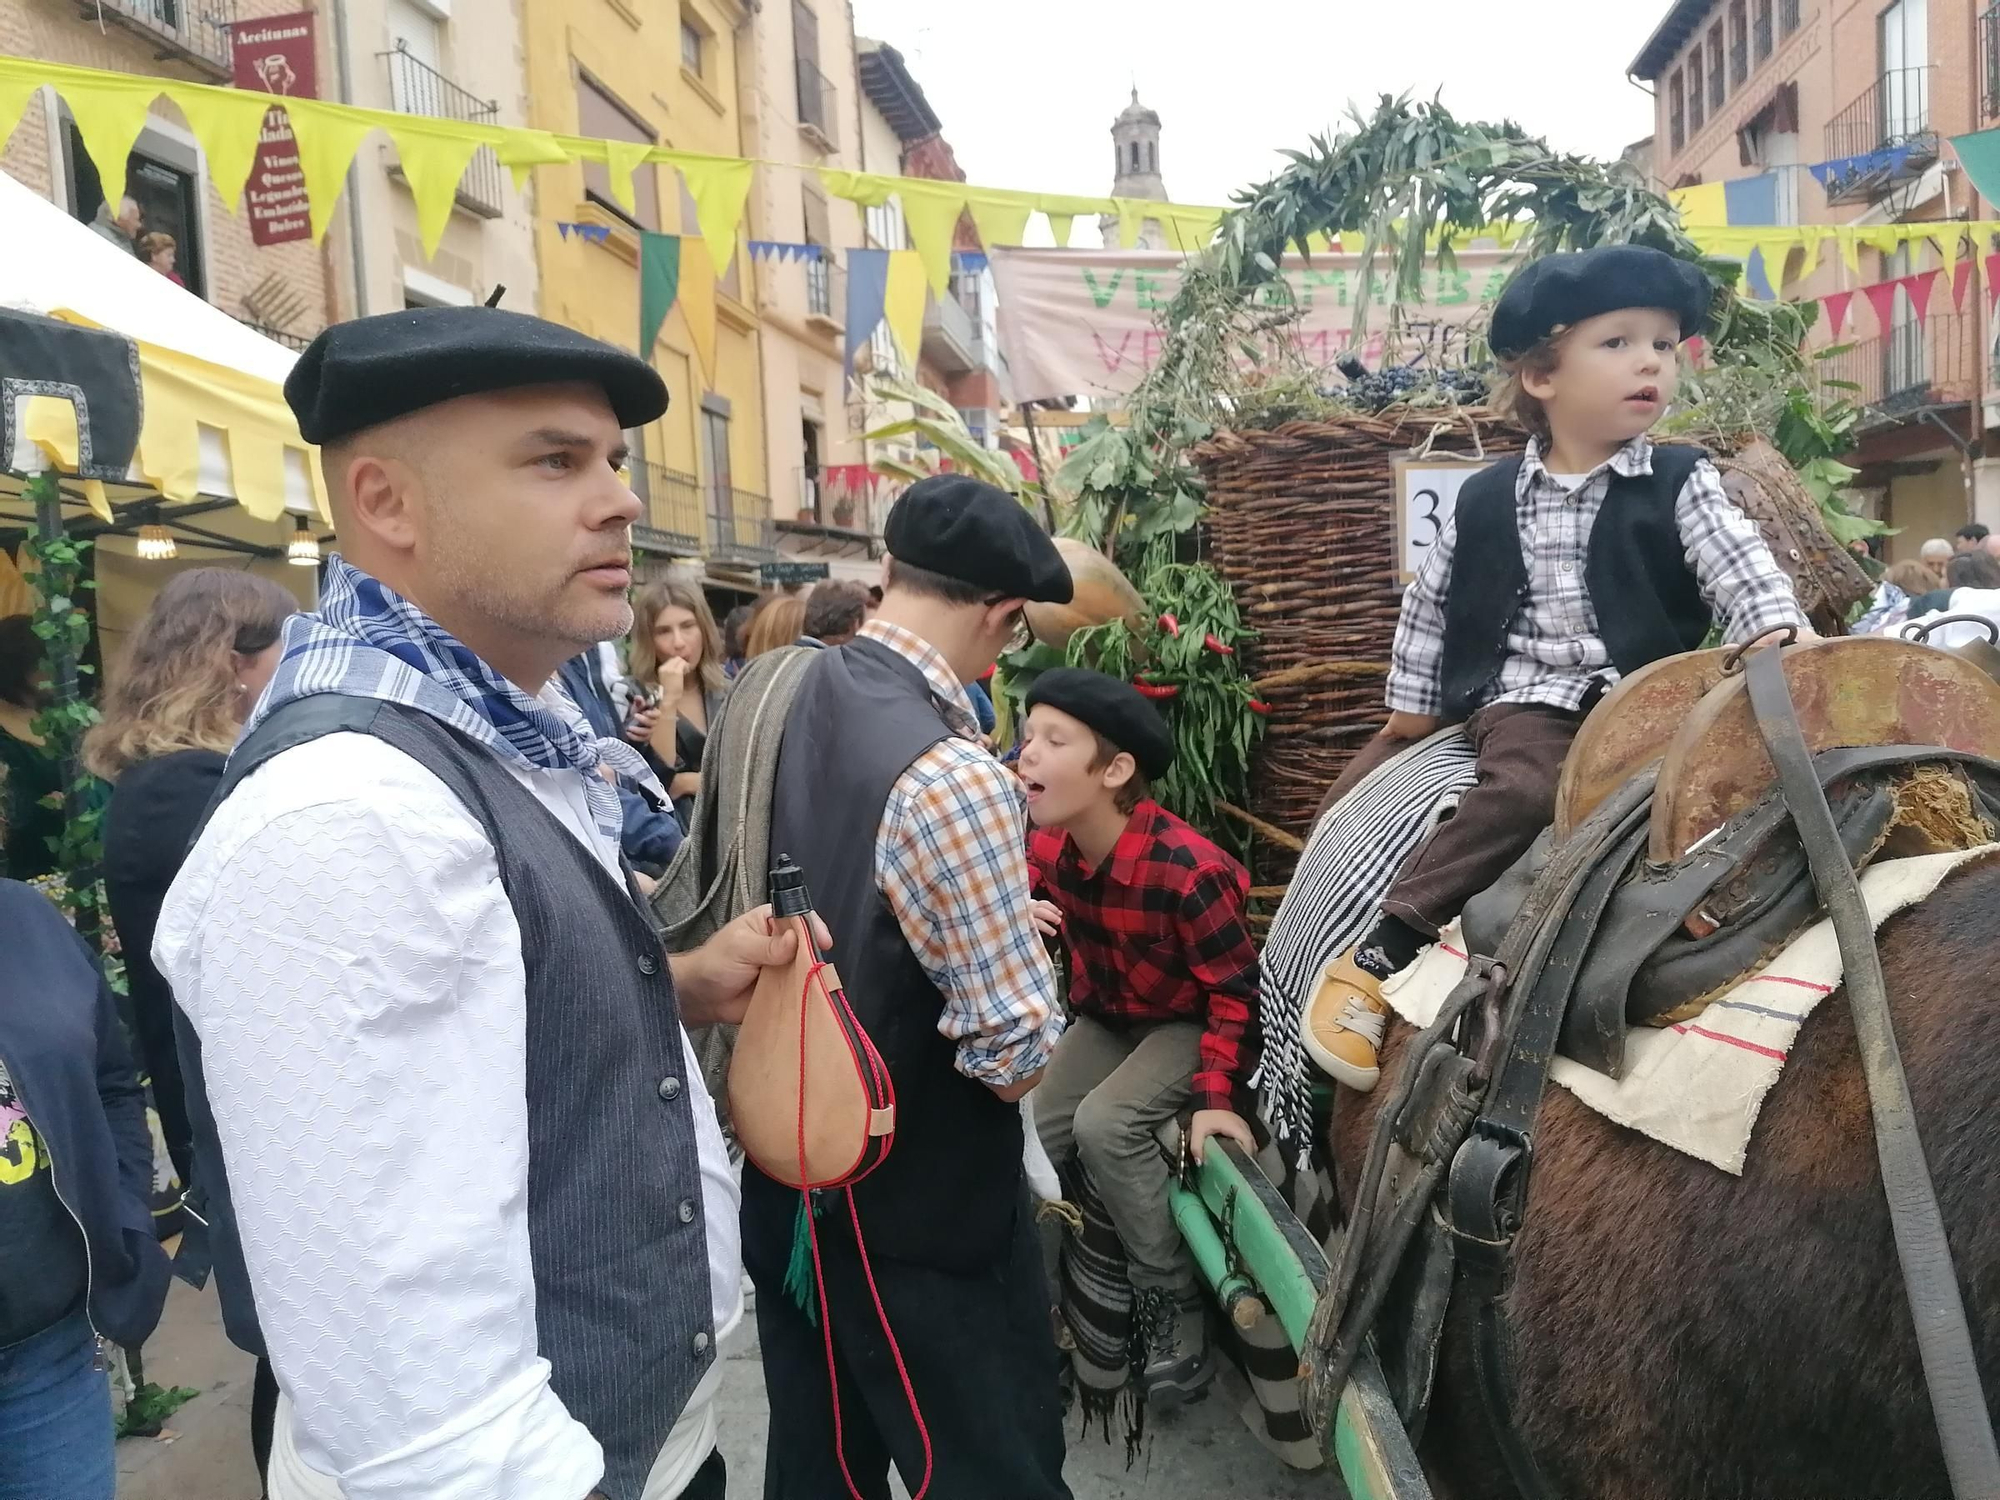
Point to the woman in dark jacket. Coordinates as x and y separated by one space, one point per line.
78 1257
172 710
193 672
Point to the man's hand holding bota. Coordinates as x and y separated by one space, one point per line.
715 981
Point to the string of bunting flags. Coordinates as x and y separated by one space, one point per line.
1728 220
110 110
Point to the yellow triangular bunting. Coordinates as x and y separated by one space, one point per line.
932 212
720 186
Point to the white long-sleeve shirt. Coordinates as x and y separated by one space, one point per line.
342 944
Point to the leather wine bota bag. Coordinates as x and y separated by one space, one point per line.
809 1095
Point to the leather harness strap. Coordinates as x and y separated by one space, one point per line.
1958 1405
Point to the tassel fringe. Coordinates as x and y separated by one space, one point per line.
799 1284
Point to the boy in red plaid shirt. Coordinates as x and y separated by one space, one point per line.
1163 987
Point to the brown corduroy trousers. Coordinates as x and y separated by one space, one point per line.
1520 749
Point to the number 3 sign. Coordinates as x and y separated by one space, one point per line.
1426 495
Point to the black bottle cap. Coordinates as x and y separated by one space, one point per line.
789 897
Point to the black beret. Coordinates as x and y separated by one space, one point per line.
1115 709
1559 291
373 370
954 525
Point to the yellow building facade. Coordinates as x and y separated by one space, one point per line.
671 75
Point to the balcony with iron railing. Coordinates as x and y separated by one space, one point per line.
1886 134
819 108
673 509
739 525
416 88
1912 366
278 335
192 31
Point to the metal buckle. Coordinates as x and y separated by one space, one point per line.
1733 662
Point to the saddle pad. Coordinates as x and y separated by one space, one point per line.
1698 1086
1350 860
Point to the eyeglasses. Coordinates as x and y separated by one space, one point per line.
1021 634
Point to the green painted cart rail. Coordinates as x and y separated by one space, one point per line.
1270 1255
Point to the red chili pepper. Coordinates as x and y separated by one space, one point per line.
1155 689
1214 644
1259 706
1170 625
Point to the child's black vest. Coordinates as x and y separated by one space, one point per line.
1647 599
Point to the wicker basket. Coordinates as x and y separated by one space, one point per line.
1301 524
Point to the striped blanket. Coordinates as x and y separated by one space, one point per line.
1095 1299
1350 860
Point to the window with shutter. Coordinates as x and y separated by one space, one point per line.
599 114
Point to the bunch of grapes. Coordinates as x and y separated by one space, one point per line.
1401 385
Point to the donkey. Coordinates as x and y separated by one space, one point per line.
1681 1333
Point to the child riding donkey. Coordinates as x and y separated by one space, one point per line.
1585 559
1163 988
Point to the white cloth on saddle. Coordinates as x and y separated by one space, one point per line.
1698 1086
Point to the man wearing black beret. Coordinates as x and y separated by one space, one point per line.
1163 987
913 841
435 1050
1586 558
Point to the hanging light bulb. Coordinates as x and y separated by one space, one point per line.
156 544
303 549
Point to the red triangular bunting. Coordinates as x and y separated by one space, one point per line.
1919 287
1882 297
1836 311
1961 278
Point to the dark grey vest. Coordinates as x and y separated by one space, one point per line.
947 1195
622 1309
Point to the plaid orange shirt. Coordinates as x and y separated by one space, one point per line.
950 860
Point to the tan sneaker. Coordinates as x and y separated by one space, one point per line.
1343 1023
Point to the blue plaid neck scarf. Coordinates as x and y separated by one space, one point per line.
367 641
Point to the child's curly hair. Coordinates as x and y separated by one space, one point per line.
1510 399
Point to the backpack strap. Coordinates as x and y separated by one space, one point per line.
718 872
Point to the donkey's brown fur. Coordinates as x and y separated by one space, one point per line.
1681 1333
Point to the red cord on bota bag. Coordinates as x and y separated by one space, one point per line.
867 1270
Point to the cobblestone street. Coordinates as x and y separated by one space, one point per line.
1205 1454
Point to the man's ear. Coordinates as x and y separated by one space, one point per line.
382 500
1001 611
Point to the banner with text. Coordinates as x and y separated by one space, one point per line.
1086 322
275 55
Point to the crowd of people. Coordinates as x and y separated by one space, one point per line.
419 1045
419 1052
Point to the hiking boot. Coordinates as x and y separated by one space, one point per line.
1178 1364
1342 1024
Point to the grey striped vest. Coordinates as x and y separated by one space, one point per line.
615 1228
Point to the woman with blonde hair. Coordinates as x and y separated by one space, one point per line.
779 623
188 679
192 673
675 659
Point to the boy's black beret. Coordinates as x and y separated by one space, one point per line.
1114 709
1559 291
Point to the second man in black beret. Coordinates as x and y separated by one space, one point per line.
913 839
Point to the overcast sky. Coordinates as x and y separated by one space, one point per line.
1027 89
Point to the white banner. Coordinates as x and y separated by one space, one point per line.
1086 322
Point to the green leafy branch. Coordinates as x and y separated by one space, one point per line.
63 624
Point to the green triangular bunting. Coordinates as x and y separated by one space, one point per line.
659 284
